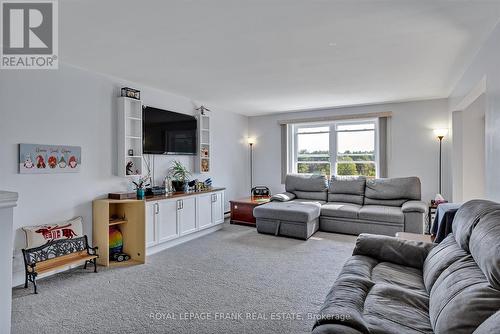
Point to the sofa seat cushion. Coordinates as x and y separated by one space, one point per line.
288 211
393 310
402 276
341 210
383 213
369 297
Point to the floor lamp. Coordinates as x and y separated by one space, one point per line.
251 142
440 133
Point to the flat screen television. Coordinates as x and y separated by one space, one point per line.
168 132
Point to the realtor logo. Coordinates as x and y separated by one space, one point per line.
29 35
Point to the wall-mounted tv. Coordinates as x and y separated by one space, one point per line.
168 132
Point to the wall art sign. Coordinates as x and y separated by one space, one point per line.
49 159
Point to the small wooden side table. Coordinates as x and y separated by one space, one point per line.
431 213
242 209
414 236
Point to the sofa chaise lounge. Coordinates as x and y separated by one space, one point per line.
392 285
344 205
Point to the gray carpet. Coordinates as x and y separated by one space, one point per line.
232 281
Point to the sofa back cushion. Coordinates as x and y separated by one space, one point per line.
392 192
347 189
467 217
307 186
461 298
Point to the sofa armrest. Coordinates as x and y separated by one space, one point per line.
414 206
390 249
283 197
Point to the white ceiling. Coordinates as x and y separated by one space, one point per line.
264 56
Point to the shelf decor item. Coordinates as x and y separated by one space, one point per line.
49 159
140 186
180 176
131 93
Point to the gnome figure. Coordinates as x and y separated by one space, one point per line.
27 162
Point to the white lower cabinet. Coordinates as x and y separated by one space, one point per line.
169 219
204 208
168 227
187 215
217 208
151 221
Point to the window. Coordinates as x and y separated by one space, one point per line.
338 148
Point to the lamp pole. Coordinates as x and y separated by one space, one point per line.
440 158
251 167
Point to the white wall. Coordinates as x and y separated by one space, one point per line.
412 148
72 106
473 154
485 64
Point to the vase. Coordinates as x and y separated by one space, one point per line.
179 186
140 193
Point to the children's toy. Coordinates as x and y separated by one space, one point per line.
120 257
115 241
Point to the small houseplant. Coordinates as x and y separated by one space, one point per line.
180 176
140 184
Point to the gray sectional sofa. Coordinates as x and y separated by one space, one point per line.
392 285
343 205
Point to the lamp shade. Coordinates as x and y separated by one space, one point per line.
440 133
251 140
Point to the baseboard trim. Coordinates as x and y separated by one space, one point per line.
165 245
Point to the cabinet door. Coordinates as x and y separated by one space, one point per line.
151 227
187 215
204 210
167 220
218 208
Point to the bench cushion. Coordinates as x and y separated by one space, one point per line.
42 234
340 210
288 211
383 213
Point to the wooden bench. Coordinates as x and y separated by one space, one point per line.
55 255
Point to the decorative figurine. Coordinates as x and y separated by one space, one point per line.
129 167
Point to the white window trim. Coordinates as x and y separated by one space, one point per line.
292 154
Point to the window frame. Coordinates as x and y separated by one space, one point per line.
333 142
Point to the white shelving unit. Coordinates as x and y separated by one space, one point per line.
130 136
203 163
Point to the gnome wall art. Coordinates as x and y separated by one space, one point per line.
49 159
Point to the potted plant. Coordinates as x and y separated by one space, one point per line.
180 176
140 184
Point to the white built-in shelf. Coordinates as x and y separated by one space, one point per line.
204 151
130 136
